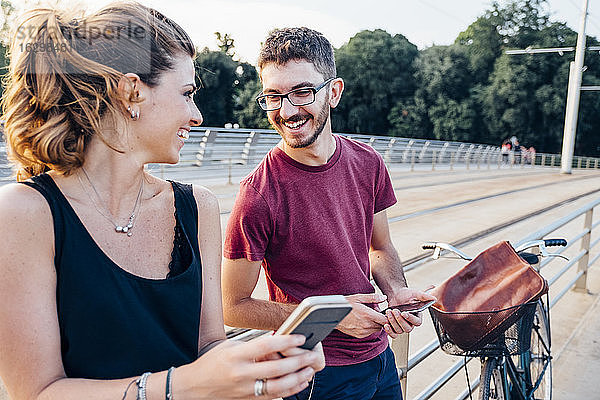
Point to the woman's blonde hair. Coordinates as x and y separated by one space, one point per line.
64 73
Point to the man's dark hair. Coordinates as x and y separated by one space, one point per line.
294 44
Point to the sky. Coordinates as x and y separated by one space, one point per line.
423 22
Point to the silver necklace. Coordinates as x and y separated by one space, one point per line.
118 228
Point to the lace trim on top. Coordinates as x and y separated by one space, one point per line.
181 255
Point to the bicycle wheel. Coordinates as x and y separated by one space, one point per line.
538 361
491 385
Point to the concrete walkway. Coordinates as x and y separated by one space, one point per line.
575 319
577 363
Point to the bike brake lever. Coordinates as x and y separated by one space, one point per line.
557 255
545 253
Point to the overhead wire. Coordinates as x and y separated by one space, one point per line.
591 18
444 12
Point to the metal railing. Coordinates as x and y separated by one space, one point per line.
578 282
220 146
236 151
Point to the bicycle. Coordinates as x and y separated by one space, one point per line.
517 364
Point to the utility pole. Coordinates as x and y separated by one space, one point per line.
573 92
574 88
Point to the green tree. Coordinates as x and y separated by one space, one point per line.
483 44
522 20
247 113
225 43
225 84
377 69
217 73
442 107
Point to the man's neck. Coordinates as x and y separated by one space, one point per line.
314 155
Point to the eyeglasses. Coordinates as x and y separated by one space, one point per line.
296 97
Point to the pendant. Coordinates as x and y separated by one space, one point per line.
119 229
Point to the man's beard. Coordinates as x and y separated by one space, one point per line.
319 123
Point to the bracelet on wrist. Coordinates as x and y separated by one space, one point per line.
169 384
141 384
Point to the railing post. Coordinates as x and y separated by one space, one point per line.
579 162
205 151
581 284
248 150
452 160
443 153
552 160
543 160
467 159
229 181
412 160
522 160
406 149
400 348
433 156
389 151
499 160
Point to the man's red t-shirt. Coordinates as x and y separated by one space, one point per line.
311 228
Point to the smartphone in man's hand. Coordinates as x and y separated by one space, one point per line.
414 308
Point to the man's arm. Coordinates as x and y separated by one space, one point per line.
240 309
386 266
388 273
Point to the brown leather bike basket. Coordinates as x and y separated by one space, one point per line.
478 303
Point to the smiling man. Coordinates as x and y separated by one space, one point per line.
313 214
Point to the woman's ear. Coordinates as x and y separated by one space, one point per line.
129 88
337 87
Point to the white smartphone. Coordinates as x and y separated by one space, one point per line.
315 317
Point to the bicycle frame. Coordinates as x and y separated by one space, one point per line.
516 378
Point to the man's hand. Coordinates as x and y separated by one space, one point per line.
404 322
363 320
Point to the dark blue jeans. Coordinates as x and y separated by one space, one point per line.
376 379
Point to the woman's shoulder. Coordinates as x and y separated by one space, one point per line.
205 199
26 220
23 202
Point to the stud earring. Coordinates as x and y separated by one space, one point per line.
135 115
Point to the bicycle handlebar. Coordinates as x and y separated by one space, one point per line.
437 247
555 242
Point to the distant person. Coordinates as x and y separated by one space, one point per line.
516 150
109 276
505 151
531 152
313 213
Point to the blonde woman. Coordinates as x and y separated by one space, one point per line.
110 277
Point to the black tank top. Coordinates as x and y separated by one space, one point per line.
114 324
